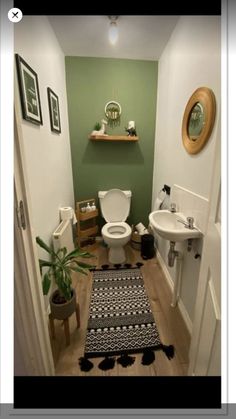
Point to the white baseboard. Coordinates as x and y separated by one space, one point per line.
169 280
188 322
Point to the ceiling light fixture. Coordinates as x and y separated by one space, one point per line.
113 30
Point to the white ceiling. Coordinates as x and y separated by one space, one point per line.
140 37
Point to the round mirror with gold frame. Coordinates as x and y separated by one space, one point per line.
198 120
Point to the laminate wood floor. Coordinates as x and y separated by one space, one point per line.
169 323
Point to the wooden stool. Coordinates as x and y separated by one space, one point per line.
66 325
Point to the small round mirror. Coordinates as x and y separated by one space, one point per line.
198 120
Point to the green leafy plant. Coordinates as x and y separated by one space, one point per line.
61 266
97 126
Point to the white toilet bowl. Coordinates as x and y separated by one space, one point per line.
115 206
116 236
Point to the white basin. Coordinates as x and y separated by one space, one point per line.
166 224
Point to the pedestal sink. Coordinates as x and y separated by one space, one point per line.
172 226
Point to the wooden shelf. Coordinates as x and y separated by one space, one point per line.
113 138
88 247
83 216
87 227
88 231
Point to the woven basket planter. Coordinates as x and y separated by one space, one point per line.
63 311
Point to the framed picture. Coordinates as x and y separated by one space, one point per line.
29 92
53 103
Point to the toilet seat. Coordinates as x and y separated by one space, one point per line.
116 230
115 205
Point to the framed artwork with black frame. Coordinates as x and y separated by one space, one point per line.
29 92
53 103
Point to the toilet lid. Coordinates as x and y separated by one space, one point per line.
115 206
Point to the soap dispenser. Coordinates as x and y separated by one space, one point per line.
93 207
88 208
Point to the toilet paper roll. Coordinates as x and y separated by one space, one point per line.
67 213
140 228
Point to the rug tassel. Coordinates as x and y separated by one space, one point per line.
169 351
85 364
148 357
126 360
127 265
107 364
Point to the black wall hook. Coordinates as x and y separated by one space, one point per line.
166 189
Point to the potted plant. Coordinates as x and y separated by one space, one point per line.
60 267
97 126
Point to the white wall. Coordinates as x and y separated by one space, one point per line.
190 60
47 155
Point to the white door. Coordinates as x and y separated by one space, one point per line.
205 349
30 317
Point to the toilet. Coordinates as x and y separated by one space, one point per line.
116 233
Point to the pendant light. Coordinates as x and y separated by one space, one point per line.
113 30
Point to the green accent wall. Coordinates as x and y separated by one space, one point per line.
91 83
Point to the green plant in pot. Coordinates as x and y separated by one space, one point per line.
60 267
97 126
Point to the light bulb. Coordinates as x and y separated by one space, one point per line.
113 33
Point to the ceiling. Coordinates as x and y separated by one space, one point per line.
140 37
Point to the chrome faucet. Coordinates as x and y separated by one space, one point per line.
172 207
189 223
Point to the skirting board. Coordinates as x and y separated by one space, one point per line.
180 303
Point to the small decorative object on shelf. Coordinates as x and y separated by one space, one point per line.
87 227
131 132
131 129
93 206
97 126
100 129
88 208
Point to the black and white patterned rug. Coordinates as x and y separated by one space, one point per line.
120 320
